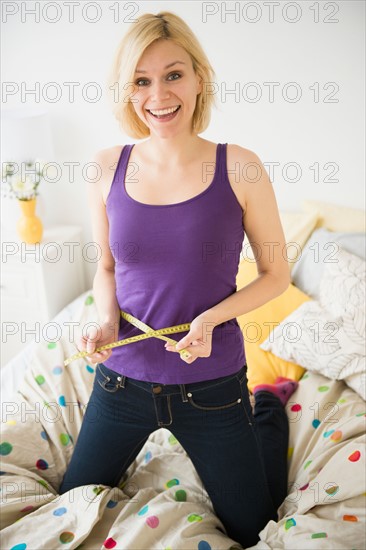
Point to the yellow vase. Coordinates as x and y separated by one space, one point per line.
29 226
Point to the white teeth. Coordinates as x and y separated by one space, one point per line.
164 111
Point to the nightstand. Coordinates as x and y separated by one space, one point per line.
37 282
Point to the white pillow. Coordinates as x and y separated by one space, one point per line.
328 336
320 250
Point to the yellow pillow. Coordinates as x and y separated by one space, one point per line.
264 366
336 217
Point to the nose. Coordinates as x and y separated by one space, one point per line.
159 91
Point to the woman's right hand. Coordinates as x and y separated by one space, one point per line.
95 337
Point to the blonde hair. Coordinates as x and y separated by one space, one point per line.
148 28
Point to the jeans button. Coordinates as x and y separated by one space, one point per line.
157 389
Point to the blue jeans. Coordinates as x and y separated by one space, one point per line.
239 455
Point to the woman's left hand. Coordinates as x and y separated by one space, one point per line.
198 342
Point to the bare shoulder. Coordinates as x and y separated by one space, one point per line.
244 167
106 160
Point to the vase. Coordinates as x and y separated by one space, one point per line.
29 226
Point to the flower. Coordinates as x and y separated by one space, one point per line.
22 181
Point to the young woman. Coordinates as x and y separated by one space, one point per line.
169 215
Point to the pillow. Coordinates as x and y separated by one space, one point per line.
264 367
328 336
336 217
297 227
345 280
320 251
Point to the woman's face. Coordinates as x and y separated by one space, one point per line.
165 79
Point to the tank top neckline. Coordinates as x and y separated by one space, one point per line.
182 203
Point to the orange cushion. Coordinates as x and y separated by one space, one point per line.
263 366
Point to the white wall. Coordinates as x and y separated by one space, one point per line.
305 132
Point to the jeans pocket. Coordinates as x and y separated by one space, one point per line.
216 397
108 382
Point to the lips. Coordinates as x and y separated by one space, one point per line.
166 116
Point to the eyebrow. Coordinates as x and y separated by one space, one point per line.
167 66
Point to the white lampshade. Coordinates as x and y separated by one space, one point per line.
26 134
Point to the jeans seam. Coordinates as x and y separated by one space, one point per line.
221 407
126 461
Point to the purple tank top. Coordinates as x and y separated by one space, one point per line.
173 262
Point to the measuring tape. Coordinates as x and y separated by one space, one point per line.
149 333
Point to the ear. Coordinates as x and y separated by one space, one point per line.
199 85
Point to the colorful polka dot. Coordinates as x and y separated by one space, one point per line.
51 345
62 401
66 537
5 448
336 436
350 518
152 521
180 496
305 376
57 370
89 300
203 545
11 422
296 407
361 414
307 464
323 388
194 517
43 483
21 546
304 487
172 440
354 456
148 456
44 435
143 510
90 369
332 490
27 508
98 490
290 523
41 464
315 423
171 483
65 439
60 511
290 452
40 379
109 543
112 503
319 535
341 400
327 434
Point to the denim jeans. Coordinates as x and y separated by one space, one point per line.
239 455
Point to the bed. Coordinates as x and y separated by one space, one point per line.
160 502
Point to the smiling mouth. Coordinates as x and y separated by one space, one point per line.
164 113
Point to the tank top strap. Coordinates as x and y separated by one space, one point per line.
222 162
120 171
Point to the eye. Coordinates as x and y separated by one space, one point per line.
175 74
140 80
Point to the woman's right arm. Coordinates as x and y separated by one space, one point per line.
104 285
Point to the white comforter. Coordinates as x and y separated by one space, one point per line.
325 507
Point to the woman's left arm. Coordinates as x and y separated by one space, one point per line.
264 231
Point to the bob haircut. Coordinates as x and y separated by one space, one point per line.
148 28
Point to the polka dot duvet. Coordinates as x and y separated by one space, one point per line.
160 502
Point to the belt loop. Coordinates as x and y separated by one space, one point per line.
183 392
121 381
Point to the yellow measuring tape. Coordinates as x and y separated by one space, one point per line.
149 333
